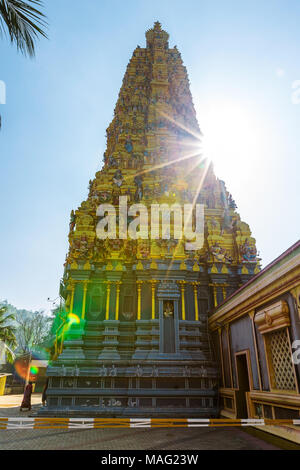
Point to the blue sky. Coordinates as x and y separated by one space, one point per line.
242 59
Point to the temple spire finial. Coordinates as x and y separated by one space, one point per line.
156 35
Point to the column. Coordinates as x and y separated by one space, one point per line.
62 342
139 299
85 286
107 300
153 284
118 286
72 297
214 294
182 289
227 326
58 348
55 348
62 336
221 354
195 286
110 334
224 291
64 327
251 315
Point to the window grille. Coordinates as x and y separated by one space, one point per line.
281 359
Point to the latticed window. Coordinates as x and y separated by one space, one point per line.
282 370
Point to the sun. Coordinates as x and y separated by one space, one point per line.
230 139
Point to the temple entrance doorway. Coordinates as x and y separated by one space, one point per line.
243 384
168 327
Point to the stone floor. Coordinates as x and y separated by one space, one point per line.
233 438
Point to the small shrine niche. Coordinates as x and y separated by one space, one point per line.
168 327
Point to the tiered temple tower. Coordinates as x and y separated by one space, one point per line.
132 336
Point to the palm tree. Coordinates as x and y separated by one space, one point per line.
7 331
23 22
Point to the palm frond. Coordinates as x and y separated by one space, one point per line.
7 330
8 317
9 357
24 23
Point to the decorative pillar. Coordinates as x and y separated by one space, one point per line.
62 341
224 291
182 289
221 354
139 299
55 348
296 294
214 287
195 286
107 300
70 311
72 297
251 315
153 283
110 338
118 286
85 285
58 348
62 335
229 353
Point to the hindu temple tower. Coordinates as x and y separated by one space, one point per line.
131 338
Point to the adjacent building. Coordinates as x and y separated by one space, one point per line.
256 333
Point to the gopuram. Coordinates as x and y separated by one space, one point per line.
131 337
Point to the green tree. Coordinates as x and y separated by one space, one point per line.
33 329
7 331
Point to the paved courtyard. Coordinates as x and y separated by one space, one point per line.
209 438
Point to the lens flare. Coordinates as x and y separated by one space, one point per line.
72 318
34 370
21 367
37 360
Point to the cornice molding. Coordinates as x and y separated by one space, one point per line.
279 280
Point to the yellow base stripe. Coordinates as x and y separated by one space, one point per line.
96 423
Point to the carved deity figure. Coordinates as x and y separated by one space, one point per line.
112 162
103 371
227 223
248 252
138 181
118 178
128 145
104 196
113 371
169 309
218 252
144 249
72 221
231 202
